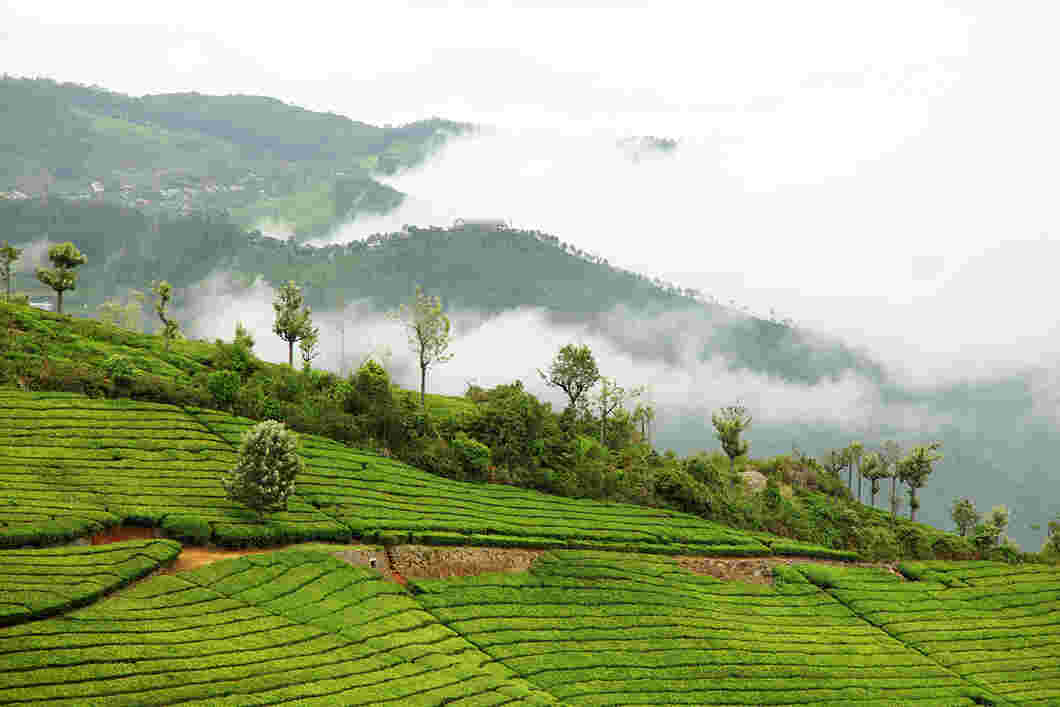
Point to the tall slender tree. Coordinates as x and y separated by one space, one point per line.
170 329
728 426
65 258
915 469
891 453
644 415
873 469
428 330
293 319
610 398
8 255
855 450
833 462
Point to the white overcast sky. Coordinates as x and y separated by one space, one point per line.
880 170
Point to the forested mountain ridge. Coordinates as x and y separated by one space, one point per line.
490 271
174 153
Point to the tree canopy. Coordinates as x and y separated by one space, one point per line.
728 426
428 331
574 371
293 319
65 257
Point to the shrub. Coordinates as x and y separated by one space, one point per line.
263 478
188 528
877 544
119 368
952 547
235 357
223 386
473 456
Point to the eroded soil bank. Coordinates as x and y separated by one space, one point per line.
759 570
427 561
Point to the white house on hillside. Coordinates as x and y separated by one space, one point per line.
483 223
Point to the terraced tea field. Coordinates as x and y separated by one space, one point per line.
71 465
369 494
285 627
597 628
994 625
38 583
580 628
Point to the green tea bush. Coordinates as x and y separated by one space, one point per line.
223 386
191 529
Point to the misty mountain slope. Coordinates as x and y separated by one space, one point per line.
497 271
804 388
266 161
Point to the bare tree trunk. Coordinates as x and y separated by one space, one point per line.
60 307
423 387
912 504
290 353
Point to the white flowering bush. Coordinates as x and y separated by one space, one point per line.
263 478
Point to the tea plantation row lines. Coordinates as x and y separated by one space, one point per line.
37 583
995 625
73 465
606 629
287 627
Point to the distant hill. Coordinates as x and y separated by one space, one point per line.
173 153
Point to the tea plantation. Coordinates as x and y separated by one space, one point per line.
580 628
603 617
70 465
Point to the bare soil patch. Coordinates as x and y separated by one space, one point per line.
759 570
440 562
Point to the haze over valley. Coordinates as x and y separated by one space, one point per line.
870 222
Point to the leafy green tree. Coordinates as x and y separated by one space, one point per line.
999 518
1053 539
855 450
873 469
65 258
428 330
643 416
8 255
243 337
307 345
964 515
293 319
833 462
612 397
263 478
891 455
170 329
128 315
914 470
223 386
728 426
573 371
